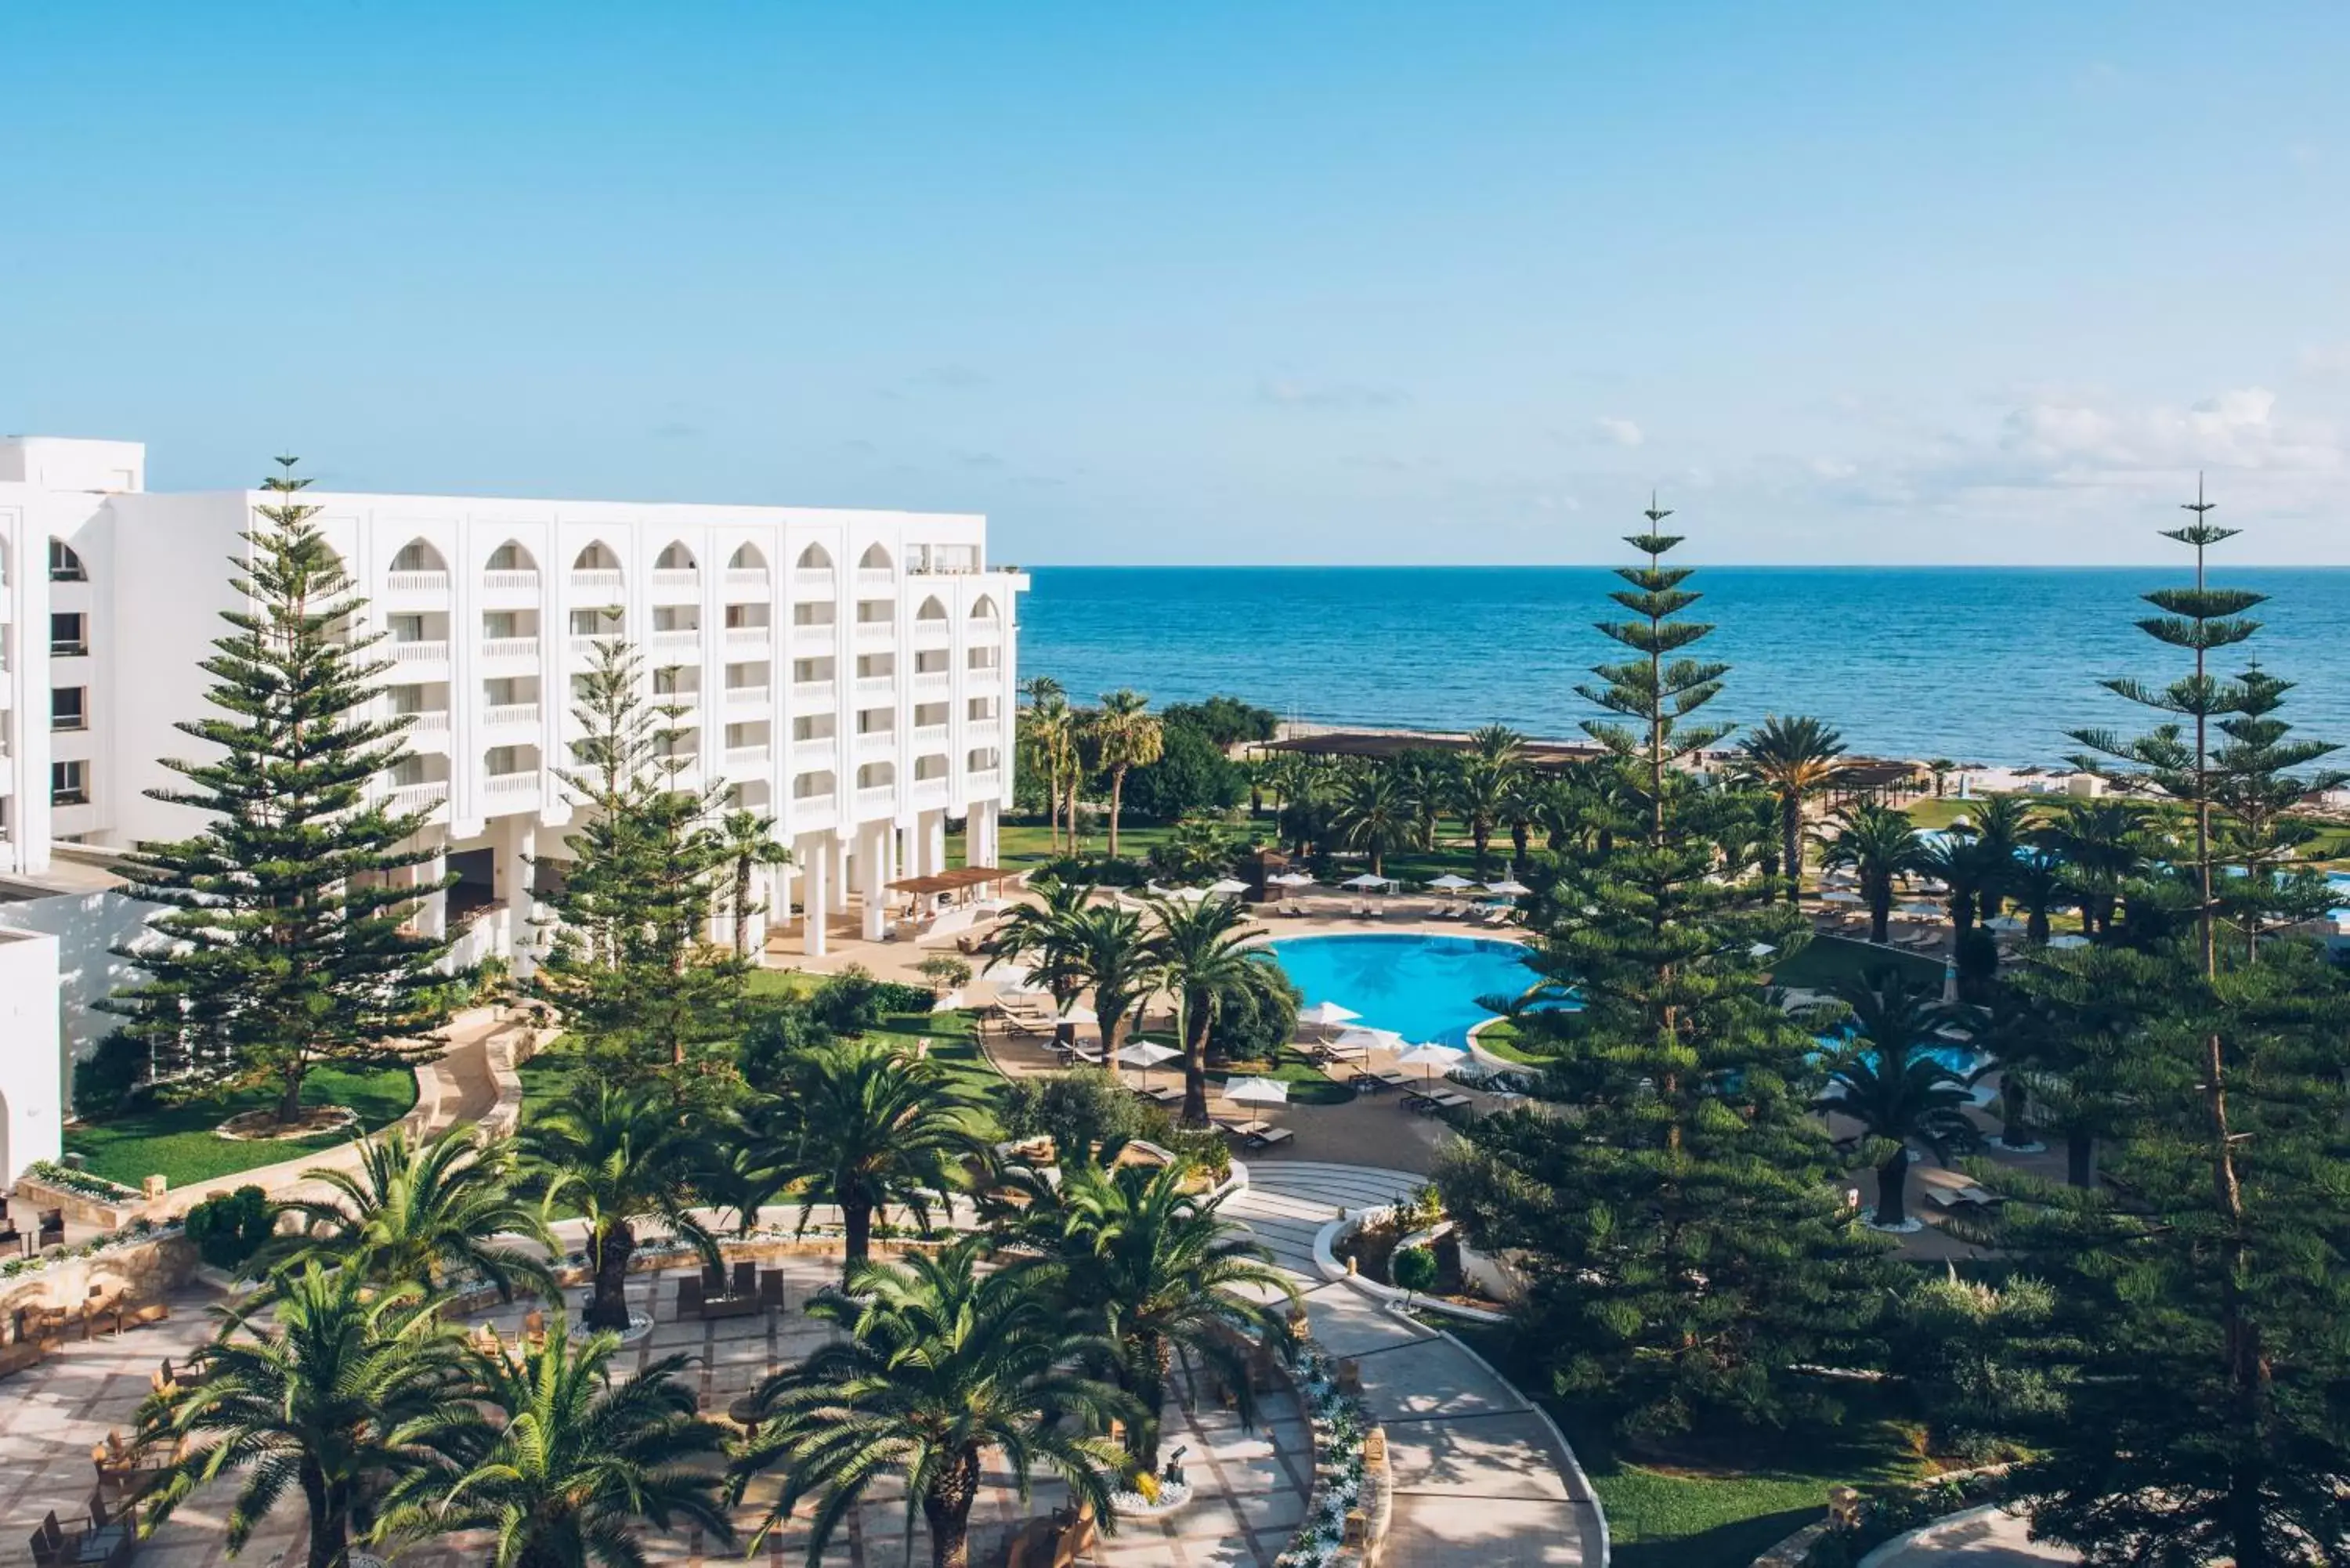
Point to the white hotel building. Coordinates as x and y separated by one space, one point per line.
850 674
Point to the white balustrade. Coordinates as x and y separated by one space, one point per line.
503 648
597 582
417 582
505 715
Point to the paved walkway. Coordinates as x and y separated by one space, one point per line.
1482 1478
1979 1538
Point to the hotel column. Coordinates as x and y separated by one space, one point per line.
432 917
813 929
934 844
872 869
512 874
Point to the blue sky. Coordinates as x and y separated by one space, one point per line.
1346 282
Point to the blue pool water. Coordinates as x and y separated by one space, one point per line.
1423 988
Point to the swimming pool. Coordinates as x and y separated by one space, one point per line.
1423 988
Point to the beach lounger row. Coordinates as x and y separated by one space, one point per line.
1257 1134
1429 1103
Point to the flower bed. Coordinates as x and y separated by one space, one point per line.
50 1173
1894 1511
1342 1473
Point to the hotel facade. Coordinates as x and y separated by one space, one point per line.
850 674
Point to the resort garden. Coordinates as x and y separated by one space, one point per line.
2143 1346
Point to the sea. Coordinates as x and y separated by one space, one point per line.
1987 666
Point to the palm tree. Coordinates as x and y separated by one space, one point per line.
749 842
942 1364
1048 728
2003 824
1961 865
1497 746
1130 737
1888 1078
1373 816
324 1398
420 1215
1878 845
1105 949
1524 794
1038 933
1158 1273
1425 782
862 1127
2037 885
1203 950
1480 790
1794 759
618 1154
2102 843
1941 768
559 1462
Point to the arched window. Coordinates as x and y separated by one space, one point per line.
65 565
816 558
595 558
931 767
873 775
875 559
747 559
984 609
807 785
512 557
932 610
982 758
418 555
676 559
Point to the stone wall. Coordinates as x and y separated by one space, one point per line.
138 1273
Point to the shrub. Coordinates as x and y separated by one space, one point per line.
1083 1106
228 1229
854 1003
781 1028
944 972
1412 1269
111 1079
1192 775
1094 871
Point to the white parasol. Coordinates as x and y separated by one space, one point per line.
1327 1014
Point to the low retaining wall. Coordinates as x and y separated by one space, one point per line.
81 1208
1326 1259
132 1273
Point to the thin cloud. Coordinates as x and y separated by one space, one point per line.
1619 431
1289 393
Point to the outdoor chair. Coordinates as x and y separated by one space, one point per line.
714 1280
746 1280
689 1298
12 1239
1267 1137
534 1328
53 1228
771 1289
111 1538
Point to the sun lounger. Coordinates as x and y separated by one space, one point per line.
689 1298
1162 1094
1967 1197
1442 1100
1243 1131
771 1289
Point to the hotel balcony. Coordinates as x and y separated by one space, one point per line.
402 799
933 680
806 806
585 644
817 582
808 694
748 756
684 697
986 631
507 715
879 800
815 751
817 636
505 650
523 583
753 638
508 788
929 792
983 730
875 578
749 577
671 584
980 780
430 730
746 696
933 633
687 640
431 652
599 581
416 582
872 687
930 735
877 743
877 631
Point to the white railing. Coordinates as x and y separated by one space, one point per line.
878 741
431 652
522 581
683 697
596 582
986 631
402 799
510 648
983 778
876 686
670 579
806 805
877 799
507 786
748 576
877 631
746 696
585 644
498 715
875 578
930 735
749 635
814 580
928 790
814 749
429 720
933 633
812 694
417 582
983 729
813 634
677 640
934 681
748 756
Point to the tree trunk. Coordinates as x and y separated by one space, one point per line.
743 911
2012 1104
289 1094
1791 845
946 1509
1481 834
1892 1188
1519 835
1195 1071
607 1308
2081 1159
2035 925
1880 914
329 1520
1116 804
857 1221
1152 1360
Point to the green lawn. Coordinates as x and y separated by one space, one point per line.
1709 1516
1020 844
177 1142
1500 1037
1308 1085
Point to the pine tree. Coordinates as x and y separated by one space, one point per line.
286 918
1688 1241
631 967
2208 1416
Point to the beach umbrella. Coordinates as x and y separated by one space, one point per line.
1147 1054
1367 881
1841 896
1291 879
2069 939
2003 923
1761 951
1327 1014
1079 1013
1226 888
1155 890
1256 1092
1919 911
1366 1041
1188 894
1431 1057
1507 889
1451 882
